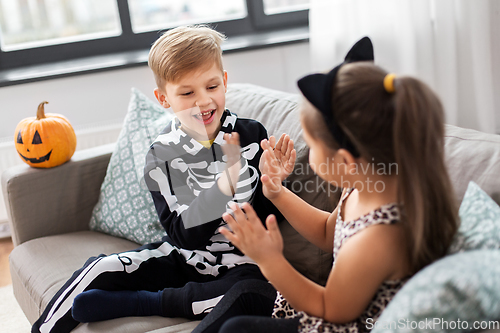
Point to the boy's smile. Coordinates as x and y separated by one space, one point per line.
198 100
205 117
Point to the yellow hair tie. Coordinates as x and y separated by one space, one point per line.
389 83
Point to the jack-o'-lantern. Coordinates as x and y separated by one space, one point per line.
45 141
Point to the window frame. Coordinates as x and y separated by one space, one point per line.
255 22
279 20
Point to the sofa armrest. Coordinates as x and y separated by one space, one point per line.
43 202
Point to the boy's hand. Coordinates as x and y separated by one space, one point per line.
232 151
249 235
276 163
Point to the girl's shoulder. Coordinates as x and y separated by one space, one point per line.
352 212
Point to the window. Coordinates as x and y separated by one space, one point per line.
283 6
150 15
34 32
28 24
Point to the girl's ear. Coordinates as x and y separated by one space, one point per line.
348 160
162 98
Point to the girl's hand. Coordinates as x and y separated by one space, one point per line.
249 235
227 182
276 164
282 156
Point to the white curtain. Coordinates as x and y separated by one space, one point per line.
452 45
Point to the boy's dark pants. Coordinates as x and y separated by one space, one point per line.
158 266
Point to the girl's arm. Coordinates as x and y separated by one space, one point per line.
316 225
364 262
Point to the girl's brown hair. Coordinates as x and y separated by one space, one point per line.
403 131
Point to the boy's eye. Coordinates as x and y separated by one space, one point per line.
187 93
213 87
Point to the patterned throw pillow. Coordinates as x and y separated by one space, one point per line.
480 222
459 293
125 208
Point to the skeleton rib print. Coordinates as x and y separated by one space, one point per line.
182 174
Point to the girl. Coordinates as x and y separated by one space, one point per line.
381 139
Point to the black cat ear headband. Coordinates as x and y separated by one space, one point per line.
317 88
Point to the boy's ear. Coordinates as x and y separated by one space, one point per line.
162 98
225 81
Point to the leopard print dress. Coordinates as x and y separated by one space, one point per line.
386 214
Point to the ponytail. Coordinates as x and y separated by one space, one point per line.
424 188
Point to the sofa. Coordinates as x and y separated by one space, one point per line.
50 210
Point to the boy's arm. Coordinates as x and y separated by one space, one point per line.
189 220
253 131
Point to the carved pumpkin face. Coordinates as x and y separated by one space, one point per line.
45 141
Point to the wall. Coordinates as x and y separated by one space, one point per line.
100 100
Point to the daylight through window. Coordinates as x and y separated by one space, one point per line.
149 15
33 23
282 6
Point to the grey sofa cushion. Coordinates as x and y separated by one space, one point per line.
279 112
152 324
473 155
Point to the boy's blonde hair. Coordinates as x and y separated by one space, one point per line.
183 49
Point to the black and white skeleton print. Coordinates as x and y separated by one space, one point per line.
181 175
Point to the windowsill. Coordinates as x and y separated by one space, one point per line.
136 58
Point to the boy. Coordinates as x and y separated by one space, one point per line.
194 170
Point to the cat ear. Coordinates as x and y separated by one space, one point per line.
361 51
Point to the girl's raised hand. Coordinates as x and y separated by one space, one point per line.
249 235
276 163
283 155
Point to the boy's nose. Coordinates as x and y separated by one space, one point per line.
203 100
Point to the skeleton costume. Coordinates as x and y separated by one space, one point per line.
181 174
194 265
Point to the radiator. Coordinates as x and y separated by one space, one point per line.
87 137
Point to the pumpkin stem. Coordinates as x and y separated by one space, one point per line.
40 113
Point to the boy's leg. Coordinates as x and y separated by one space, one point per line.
193 300
97 305
142 269
196 299
248 297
